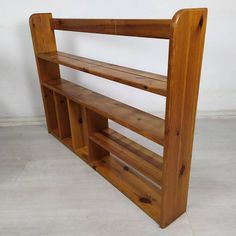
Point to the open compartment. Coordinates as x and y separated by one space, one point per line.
78 126
133 169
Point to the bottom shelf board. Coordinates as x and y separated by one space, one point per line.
140 191
135 187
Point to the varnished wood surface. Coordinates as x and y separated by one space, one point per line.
151 82
132 185
50 110
43 39
186 48
128 27
76 124
62 116
131 153
139 121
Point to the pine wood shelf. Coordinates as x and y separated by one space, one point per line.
140 79
78 117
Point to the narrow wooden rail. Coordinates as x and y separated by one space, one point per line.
127 27
78 117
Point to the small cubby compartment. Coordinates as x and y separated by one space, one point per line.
78 126
78 117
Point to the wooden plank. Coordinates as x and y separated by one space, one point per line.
44 41
76 124
129 27
139 121
185 57
122 147
62 116
136 188
151 82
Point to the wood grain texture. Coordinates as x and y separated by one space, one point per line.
135 187
43 39
122 147
50 110
62 116
185 57
147 81
128 27
95 123
139 121
76 124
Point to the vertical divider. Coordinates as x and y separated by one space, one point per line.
62 116
95 123
50 110
76 124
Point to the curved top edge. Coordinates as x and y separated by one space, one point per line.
182 12
38 14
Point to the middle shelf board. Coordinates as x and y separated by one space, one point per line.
151 82
143 123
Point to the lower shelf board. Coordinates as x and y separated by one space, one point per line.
136 188
143 160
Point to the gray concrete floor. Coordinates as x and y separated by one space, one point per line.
46 190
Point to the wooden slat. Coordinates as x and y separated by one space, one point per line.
128 27
139 121
140 79
122 147
141 192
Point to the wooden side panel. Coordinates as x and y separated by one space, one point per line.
185 57
95 123
44 41
62 116
76 124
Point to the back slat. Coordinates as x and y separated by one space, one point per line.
137 28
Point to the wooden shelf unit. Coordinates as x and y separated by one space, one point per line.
78 117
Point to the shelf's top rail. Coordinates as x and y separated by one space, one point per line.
127 27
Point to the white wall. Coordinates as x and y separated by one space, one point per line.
19 87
